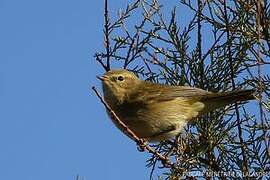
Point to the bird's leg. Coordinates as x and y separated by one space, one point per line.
141 144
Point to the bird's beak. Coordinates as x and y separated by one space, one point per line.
102 78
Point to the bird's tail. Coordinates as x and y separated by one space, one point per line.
218 100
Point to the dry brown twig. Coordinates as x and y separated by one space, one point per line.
142 144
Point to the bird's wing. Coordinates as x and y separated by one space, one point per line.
152 93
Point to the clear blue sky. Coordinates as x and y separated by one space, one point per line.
52 126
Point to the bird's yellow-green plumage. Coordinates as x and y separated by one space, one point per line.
156 111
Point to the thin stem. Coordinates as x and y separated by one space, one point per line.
199 44
106 36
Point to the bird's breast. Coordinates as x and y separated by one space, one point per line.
164 119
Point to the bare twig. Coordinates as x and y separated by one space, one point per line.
106 36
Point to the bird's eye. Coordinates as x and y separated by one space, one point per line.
120 78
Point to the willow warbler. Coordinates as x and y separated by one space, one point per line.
159 112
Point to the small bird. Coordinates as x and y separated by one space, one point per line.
158 112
